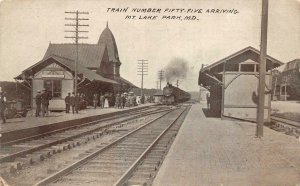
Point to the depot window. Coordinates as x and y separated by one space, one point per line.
248 68
53 87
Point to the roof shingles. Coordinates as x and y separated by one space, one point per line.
89 55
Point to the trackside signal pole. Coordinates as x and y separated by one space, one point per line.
142 69
160 77
262 70
76 37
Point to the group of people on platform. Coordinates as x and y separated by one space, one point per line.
118 101
77 102
102 99
72 101
42 103
106 100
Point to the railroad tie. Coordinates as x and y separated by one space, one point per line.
51 171
37 156
25 160
56 148
46 153
16 166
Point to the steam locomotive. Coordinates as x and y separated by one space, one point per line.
173 95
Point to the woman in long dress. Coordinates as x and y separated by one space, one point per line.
106 103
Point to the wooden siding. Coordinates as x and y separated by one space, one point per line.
240 95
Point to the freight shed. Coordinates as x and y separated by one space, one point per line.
233 83
158 97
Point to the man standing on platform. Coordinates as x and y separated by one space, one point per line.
68 102
72 102
95 100
45 102
2 106
123 100
77 101
102 99
38 102
117 101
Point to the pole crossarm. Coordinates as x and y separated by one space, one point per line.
79 19
142 69
76 37
76 31
160 77
76 12
75 25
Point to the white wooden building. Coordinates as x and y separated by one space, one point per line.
233 84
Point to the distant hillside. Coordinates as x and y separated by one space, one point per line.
137 91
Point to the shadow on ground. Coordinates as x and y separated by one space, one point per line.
8 121
209 114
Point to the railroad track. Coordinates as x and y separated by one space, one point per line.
123 158
286 125
75 126
13 157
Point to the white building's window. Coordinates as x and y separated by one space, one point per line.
247 67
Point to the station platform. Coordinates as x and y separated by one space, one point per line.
211 151
286 106
31 125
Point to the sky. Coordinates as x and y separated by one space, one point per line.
28 26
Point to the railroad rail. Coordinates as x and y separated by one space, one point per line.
8 152
12 142
286 125
143 171
63 140
117 161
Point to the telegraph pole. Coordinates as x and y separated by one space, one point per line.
262 70
76 37
160 77
142 69
177 83
276 74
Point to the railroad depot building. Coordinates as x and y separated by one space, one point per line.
233 83
98 71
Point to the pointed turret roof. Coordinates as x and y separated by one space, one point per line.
107 40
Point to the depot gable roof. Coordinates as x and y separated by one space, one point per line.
238 56
210 75
67 63
89 55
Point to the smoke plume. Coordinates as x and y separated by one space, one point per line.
176 69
